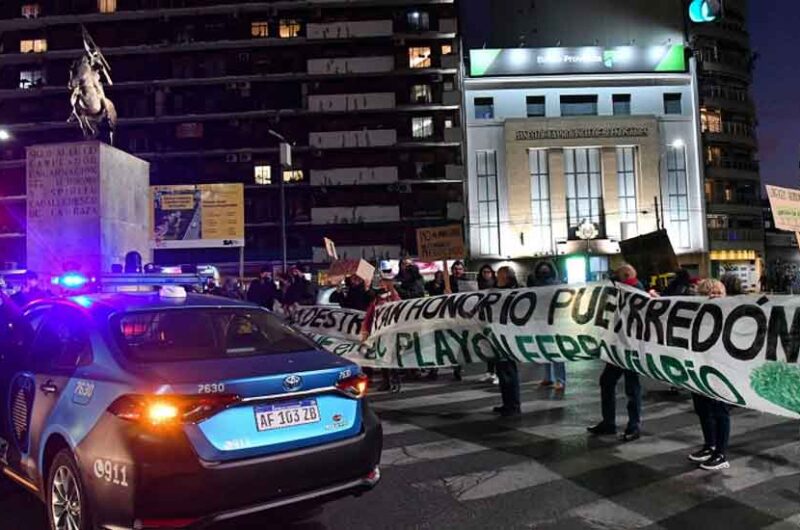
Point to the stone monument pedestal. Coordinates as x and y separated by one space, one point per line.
87 206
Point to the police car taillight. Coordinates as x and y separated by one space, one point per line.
355 386
168 410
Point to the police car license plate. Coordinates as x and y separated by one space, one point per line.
287 414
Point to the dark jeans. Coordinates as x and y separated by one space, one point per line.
608 396
490 367
715 420
509 384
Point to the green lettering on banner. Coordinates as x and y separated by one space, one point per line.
655 373
403 341
590 346
500 344
380 348
522 341
674 370
569 347
418 352
443 349
706 371
477 338
541 341
463 342
690 370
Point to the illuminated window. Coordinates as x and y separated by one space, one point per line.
578 105
672 104
540 199
422 127
189 130
584 188
107 6
488 206
31 78
262 174
484 108
677 201
419 21
447 49
33 45
626 182
535 106
419 57
713 155
289 28
31 10
711 120
621 104
293 175
421 94
259 29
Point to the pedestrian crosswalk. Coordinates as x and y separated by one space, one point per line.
443 442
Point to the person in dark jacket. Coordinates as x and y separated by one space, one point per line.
506 369
457 274
298 291
487 279
262 290
30 290
611 376
410 281
544 274
435 287
357 296
680 285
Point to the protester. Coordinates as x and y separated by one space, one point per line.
262 290
297 291
29 291
410 281
357 296
733 284
507 369
611 375
487 279
545 273
457 275
714 415
680 285
385 293
435 287
231 288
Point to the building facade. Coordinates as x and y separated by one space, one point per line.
582 111
366 90
730 147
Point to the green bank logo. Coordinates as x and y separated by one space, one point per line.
608 58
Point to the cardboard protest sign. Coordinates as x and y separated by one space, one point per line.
743 350
330 248
785 204
442 242
650 254
345 267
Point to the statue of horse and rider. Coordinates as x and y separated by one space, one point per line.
91 109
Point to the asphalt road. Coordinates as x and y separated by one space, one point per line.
449 463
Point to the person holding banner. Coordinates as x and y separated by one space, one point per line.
611 375
507 369
715 418
487 279
545 273
385 293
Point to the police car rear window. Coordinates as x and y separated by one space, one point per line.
195 334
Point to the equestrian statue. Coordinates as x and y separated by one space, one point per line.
90 106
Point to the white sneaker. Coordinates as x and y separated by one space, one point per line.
495 380
487 378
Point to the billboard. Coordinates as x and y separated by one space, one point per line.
197 216
580 60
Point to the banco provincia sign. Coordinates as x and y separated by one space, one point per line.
582 132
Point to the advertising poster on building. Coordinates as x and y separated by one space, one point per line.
197 216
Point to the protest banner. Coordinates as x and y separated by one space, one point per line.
440 243
785 204
742 350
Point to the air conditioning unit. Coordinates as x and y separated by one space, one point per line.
231 158
245 157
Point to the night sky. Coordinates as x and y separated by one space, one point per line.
775 36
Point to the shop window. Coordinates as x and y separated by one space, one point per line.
672 104
419 57
422 127
711 120
421 94
189 130
626 182
107 6
484 108
419 21
621 104
31 10
293 175
535 106
259 29
31 78
540 200
584 188
262 175
677 197
289 28
488 211
447 49
579 105
713 155
33 45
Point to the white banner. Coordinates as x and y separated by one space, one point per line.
743 350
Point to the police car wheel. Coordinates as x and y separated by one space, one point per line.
67 508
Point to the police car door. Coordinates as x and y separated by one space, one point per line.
16 385
60 347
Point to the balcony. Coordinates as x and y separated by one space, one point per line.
355 215
351 102
731 169
454 172
732 132
350 65
350 30
738 68
735 234
727 99
355 176
351 139
742 205
728 31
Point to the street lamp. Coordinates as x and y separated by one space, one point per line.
4 135
587 231
286 162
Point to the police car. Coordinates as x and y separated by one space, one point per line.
175 410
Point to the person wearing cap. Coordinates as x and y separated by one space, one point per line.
384 294
30 290
262 290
